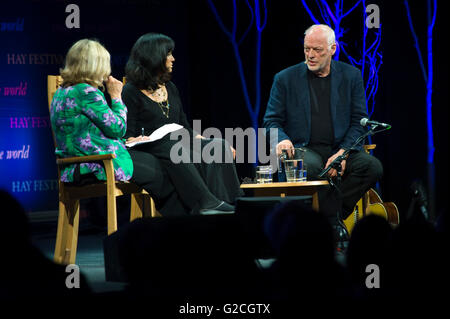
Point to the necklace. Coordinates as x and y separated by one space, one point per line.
164 106
159 94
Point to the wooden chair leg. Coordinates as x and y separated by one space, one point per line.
112 213
61 234
111 196
147 205
153 211
142 205
72 231
67 232
137 202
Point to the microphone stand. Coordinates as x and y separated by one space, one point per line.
336 164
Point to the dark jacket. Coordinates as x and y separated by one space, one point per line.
289 108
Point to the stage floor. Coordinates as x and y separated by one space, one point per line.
90 257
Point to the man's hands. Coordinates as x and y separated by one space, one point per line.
233 151
284 144
332 172
287 144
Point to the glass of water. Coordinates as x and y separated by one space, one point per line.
264 174
294 167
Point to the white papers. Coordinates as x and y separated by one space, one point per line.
157 134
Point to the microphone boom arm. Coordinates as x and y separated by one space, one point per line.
336 163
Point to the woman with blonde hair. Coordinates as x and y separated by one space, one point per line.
82 121
84 124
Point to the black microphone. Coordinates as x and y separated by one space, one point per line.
365 121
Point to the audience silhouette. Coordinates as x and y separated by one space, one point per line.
200 257
369 242
417 267
207 259
25 271
305 265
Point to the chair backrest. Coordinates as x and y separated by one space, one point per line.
53 83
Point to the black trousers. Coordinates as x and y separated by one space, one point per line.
221 178
199 185
183 177
150 175
362 171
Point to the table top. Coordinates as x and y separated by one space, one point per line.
286 184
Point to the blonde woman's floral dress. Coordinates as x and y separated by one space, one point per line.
84 124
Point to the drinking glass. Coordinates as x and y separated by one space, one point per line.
294 167
264 174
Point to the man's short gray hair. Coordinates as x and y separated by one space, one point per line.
331 38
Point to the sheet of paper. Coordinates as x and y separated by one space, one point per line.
157 134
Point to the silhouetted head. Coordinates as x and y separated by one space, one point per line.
14 232
368 245
185 254
294 229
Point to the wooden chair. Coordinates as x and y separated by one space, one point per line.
371 203
69 196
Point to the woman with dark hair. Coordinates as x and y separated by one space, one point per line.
153 101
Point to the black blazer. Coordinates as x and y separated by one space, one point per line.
289 109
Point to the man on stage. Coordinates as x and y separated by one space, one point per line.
317 105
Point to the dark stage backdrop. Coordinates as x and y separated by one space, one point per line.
34 40
401 95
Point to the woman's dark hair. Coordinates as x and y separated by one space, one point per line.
146 68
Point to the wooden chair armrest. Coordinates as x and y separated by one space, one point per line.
84 159
369 147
